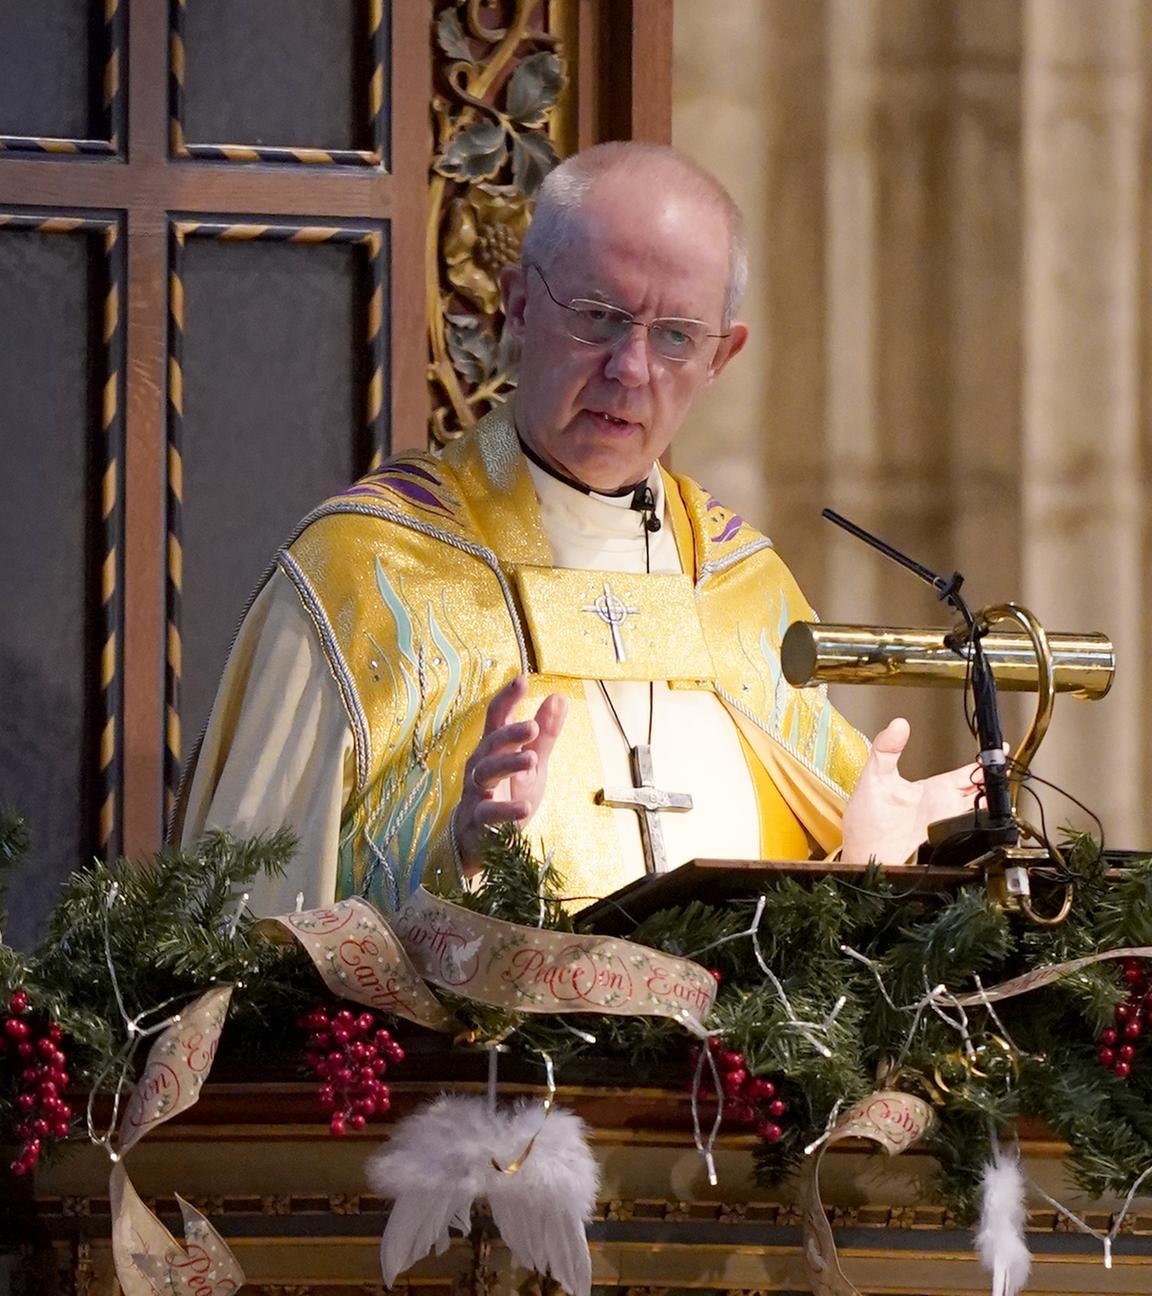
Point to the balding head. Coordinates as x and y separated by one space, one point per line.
571 185
633 232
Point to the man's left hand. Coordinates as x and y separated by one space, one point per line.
887 816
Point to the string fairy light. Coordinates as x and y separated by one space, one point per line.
829 1128
237 914
122 1061
584 1035
542 888
986 1003
135 1032
809 1030
705 1146
930 999
1105 1239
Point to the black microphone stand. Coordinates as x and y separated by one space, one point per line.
965 837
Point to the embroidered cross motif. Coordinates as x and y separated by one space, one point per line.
613 612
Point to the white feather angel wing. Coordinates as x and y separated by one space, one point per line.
418 1224
541 1210
444 1157
433 1170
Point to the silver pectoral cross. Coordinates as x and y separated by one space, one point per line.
614 612
648 801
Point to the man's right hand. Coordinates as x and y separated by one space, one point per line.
505 777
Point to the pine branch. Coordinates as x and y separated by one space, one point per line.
1123 912
967 935
14 842
515 886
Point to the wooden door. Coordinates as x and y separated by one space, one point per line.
222 268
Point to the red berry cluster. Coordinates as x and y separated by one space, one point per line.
1118 1043
39 1064
748 1100
350 1053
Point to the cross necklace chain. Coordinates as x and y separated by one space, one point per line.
643 797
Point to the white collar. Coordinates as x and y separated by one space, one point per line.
609 517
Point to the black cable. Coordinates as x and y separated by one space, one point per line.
1061 870
1029 777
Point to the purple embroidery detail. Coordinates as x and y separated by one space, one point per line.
415 469
713 502
418 494
735 522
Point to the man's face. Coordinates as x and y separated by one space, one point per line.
604 414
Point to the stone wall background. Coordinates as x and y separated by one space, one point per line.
950 224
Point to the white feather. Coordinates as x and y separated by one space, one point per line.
1000 1237
440 1161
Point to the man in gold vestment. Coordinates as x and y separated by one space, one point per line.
544 626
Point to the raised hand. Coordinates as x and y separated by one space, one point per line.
887 816
505 777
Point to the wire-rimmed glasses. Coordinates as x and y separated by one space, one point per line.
596 323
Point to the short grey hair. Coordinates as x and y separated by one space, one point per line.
567 186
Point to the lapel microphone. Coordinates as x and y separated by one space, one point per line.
644 502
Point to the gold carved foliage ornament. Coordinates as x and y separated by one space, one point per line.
500 77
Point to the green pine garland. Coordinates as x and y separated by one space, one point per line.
914 943
170 939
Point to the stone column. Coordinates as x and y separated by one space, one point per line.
949 205
1083 479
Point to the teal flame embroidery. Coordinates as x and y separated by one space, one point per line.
409 667
383 859
792 707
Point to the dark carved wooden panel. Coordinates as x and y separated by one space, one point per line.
61 87
59 653
280 408
46 61
280 80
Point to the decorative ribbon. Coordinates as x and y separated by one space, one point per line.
895 1121
385 963
360 957
1043 976
150 1260
535 970
147 1257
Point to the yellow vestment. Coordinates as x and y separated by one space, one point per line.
416 582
